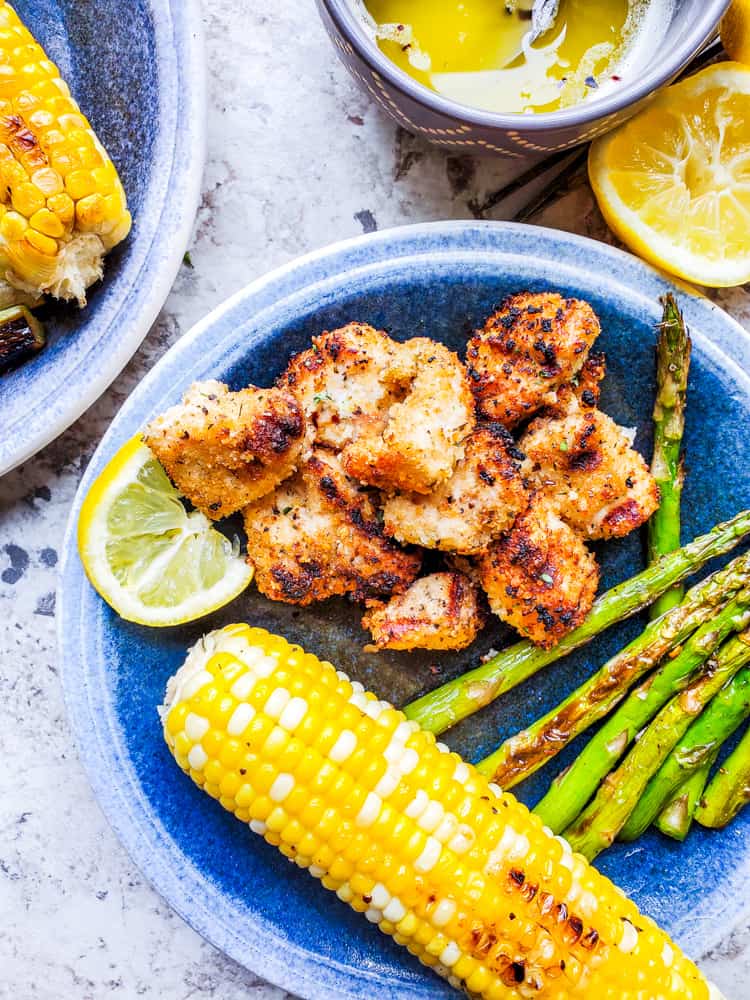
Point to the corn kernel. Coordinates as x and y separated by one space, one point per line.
341 869
47 223
78 183
277 819
27 199
292 833
276 743
63 207
177 715
324 856
70 120
91 212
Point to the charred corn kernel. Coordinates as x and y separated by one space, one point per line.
68 205
407 833
63 206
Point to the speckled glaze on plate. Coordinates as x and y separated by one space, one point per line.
437 280
140 78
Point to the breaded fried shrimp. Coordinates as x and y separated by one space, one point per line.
479 501
526 350
347 382
421 439
319 535
539 576
584 463
440 611
225 449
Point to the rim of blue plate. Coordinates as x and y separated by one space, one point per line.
178 32
100 742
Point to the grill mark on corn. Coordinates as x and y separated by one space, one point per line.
21 141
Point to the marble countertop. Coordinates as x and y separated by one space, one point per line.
298 157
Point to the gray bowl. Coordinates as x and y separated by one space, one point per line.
458 126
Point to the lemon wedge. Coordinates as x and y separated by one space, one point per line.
673 183
150 559
735 31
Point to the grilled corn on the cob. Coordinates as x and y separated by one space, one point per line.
406 832
62 206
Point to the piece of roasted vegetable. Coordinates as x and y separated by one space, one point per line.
21 336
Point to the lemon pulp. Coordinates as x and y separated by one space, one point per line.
152 560
472 51
674 182
735 31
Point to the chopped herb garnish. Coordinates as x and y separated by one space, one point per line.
187 260
322 397
563 446
547 578
286 510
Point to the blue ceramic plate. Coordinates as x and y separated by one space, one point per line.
437 280
139 76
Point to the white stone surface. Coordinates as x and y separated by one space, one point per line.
298 157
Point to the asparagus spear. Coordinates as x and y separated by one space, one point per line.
572 789
676 817
729 790
524 753
442 708
672 365
701 742
606 815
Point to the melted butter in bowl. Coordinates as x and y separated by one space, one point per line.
479 52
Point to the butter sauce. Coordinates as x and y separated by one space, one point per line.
479 52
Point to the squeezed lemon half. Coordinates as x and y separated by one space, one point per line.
673 183
735 31
150 559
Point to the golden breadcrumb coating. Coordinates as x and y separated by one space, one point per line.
397 412
318 535
421 440
346 382
479 501
440 611
539 577
584 463
530 347
587 384
225 449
